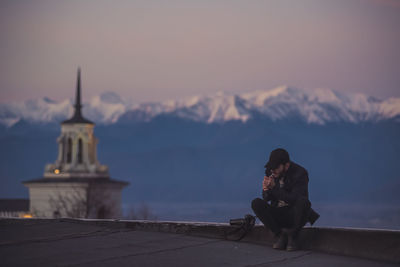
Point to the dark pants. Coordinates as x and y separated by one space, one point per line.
275 219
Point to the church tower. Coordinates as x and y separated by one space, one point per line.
76 184
77 146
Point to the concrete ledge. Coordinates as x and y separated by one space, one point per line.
366 243
381 245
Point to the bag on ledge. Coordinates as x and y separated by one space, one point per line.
243 225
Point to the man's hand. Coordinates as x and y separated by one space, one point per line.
268 182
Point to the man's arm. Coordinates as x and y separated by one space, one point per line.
266 194
299 190
268 184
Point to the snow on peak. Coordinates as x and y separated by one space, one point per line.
259 98
320 105
35 110
110 98
105 108
218 107
316 106
49 100
224 108
390 107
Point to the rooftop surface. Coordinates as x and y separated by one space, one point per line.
66 242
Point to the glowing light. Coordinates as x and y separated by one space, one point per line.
56 171
27 215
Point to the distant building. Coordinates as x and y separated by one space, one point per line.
14 207
76 185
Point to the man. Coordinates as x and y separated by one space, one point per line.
285 207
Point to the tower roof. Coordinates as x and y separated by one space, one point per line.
77 117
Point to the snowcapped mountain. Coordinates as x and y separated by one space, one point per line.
315 106
35 110
105 108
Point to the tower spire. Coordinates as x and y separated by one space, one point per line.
77 117
78 105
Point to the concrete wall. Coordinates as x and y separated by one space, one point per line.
106 197
75 200
66 199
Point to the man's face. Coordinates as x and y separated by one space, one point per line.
278 171
281 170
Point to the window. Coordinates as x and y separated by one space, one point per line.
69 150
80 150
63 150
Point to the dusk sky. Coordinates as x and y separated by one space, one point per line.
157 50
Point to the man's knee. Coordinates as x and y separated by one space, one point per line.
303 203
257 203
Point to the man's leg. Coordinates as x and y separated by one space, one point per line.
266 214
300 211
274 219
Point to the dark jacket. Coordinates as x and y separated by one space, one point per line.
295 187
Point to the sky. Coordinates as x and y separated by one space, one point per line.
158 50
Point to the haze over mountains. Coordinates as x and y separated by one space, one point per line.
316 106
213 148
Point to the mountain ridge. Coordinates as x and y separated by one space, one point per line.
313 106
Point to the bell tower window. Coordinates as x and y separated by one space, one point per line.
69 150
80 150
63 150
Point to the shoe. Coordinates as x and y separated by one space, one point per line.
281 241
292 241
292 244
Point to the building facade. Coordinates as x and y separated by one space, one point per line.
76 184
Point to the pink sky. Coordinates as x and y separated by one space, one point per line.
156 50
